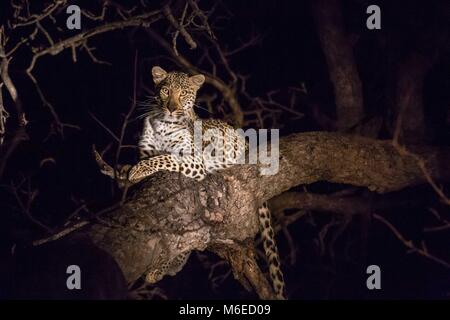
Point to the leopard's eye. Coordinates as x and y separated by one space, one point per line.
183 92
164 90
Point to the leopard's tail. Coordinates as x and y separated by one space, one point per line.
270 248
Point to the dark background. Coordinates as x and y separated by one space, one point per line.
288 54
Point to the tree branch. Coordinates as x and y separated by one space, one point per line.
338 53
170 214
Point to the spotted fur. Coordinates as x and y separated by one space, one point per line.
170 268
167 144
271 251
167 141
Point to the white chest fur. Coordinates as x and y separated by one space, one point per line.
168 135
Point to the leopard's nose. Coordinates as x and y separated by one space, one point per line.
171 106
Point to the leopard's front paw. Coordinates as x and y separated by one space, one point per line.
154 276
137 173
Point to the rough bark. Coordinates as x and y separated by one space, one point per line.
338 52
169 214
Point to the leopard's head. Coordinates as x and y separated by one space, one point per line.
176 93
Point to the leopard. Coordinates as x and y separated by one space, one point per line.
168 143
167 140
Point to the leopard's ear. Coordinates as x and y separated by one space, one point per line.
197 80
159 74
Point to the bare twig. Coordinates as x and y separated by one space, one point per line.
35 18
129 113
402 150
3 116
25 205
197 11
92 56
20 133
104 127
4 74
180 28
140 20
410 245
175 36
445 224
60 234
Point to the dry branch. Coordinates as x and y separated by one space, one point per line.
410 245
179 27
145 19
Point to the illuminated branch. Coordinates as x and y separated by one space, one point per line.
36 18
236 193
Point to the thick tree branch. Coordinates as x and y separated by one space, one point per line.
338 53
170 214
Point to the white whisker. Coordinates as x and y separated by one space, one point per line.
203 108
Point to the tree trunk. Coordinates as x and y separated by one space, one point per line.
338 52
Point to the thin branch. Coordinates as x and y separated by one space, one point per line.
46 103
140 20
409 244
104 127
180 28
203 17
422 164
175 36
3 116
92 56
4 74
60 234
35 18
129 113
444 226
